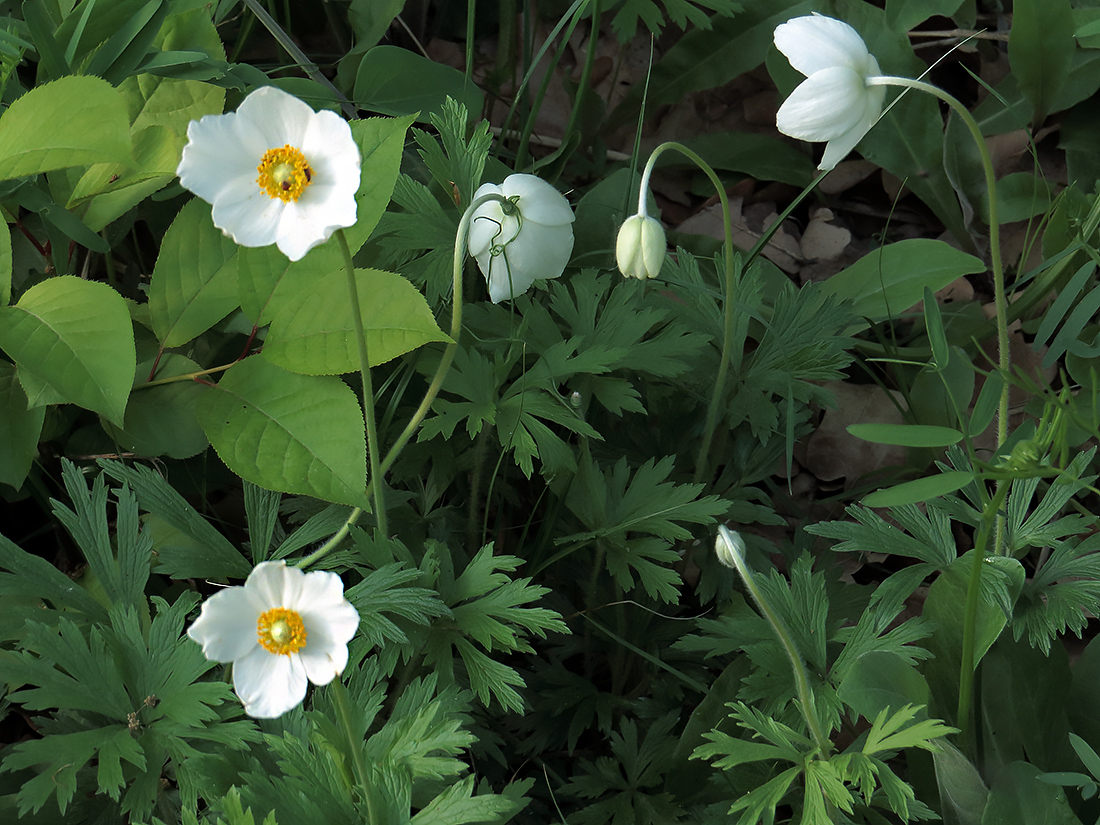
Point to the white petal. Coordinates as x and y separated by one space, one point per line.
489 225
252 220
816 42
214 157
328 632
333 155
538 200
275 584
269 684
280 117
824 106
304 226
838 148
542 250
226 626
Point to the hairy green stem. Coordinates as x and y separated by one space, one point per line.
701 461
462 237
798 667
990 516
373 447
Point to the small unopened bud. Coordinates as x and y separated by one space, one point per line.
640 247
729 546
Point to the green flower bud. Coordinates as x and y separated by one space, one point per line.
640 248
729 546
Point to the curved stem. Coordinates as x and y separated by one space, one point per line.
999 297
376 473
801 678
730 284
329 545
462 237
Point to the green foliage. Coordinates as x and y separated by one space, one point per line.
680 12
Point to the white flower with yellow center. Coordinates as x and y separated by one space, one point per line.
836 102
526 240
275 171
282 628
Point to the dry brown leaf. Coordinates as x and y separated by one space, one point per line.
822 241
833 453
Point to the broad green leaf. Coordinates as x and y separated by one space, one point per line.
963 794
268 281
762 157
1020 797
395 81
904 15
161 420
381 143
882 679
888 281
69 122
194 281
317 335
5 264
918 490
287 432
1040 51
906 435
370 19
22 428
76 337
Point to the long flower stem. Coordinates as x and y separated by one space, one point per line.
376 483
730 285
462 237
801 678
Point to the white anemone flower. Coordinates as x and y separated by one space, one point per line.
275 171
282 628
640 247
528 240
834 103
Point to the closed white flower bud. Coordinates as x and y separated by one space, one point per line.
729 546
640 248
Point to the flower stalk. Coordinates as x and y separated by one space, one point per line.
373 447
730 549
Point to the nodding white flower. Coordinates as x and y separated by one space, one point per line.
275 171
282 628
729 546
834 103
640 247
527 240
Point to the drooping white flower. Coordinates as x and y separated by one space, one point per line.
280 629
640 247
529 240
834 103
275 171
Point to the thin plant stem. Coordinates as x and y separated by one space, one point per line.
376 483
731 273
471 6
336 538
798 667
462 238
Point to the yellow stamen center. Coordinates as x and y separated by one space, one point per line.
281 631
284 173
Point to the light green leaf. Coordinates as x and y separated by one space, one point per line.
904 15
920 489
317 335
1040 51
881 679
288 432
269 282
906 435
69 122
194 282
76 337
888 281
22 428
5 264
381 143
161 420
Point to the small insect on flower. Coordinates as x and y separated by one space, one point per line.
282 628
275 171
